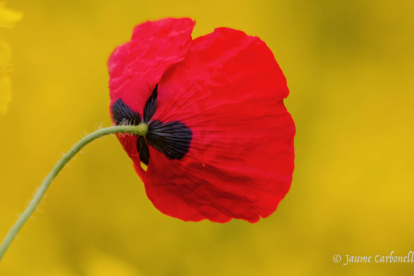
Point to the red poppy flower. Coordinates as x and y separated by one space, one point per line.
220 140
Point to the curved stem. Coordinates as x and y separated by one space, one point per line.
140 129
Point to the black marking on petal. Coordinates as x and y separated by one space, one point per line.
172 139
143 150
150 105
122 114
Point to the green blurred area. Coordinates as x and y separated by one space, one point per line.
349 66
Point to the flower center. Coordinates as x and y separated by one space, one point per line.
172 139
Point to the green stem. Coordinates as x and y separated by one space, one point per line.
140 129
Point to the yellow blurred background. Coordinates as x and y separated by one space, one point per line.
350 69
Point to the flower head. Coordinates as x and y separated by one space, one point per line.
220 140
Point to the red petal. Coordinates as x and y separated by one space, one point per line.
137 66
229 91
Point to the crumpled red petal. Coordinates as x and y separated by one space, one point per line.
229 91
137 66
